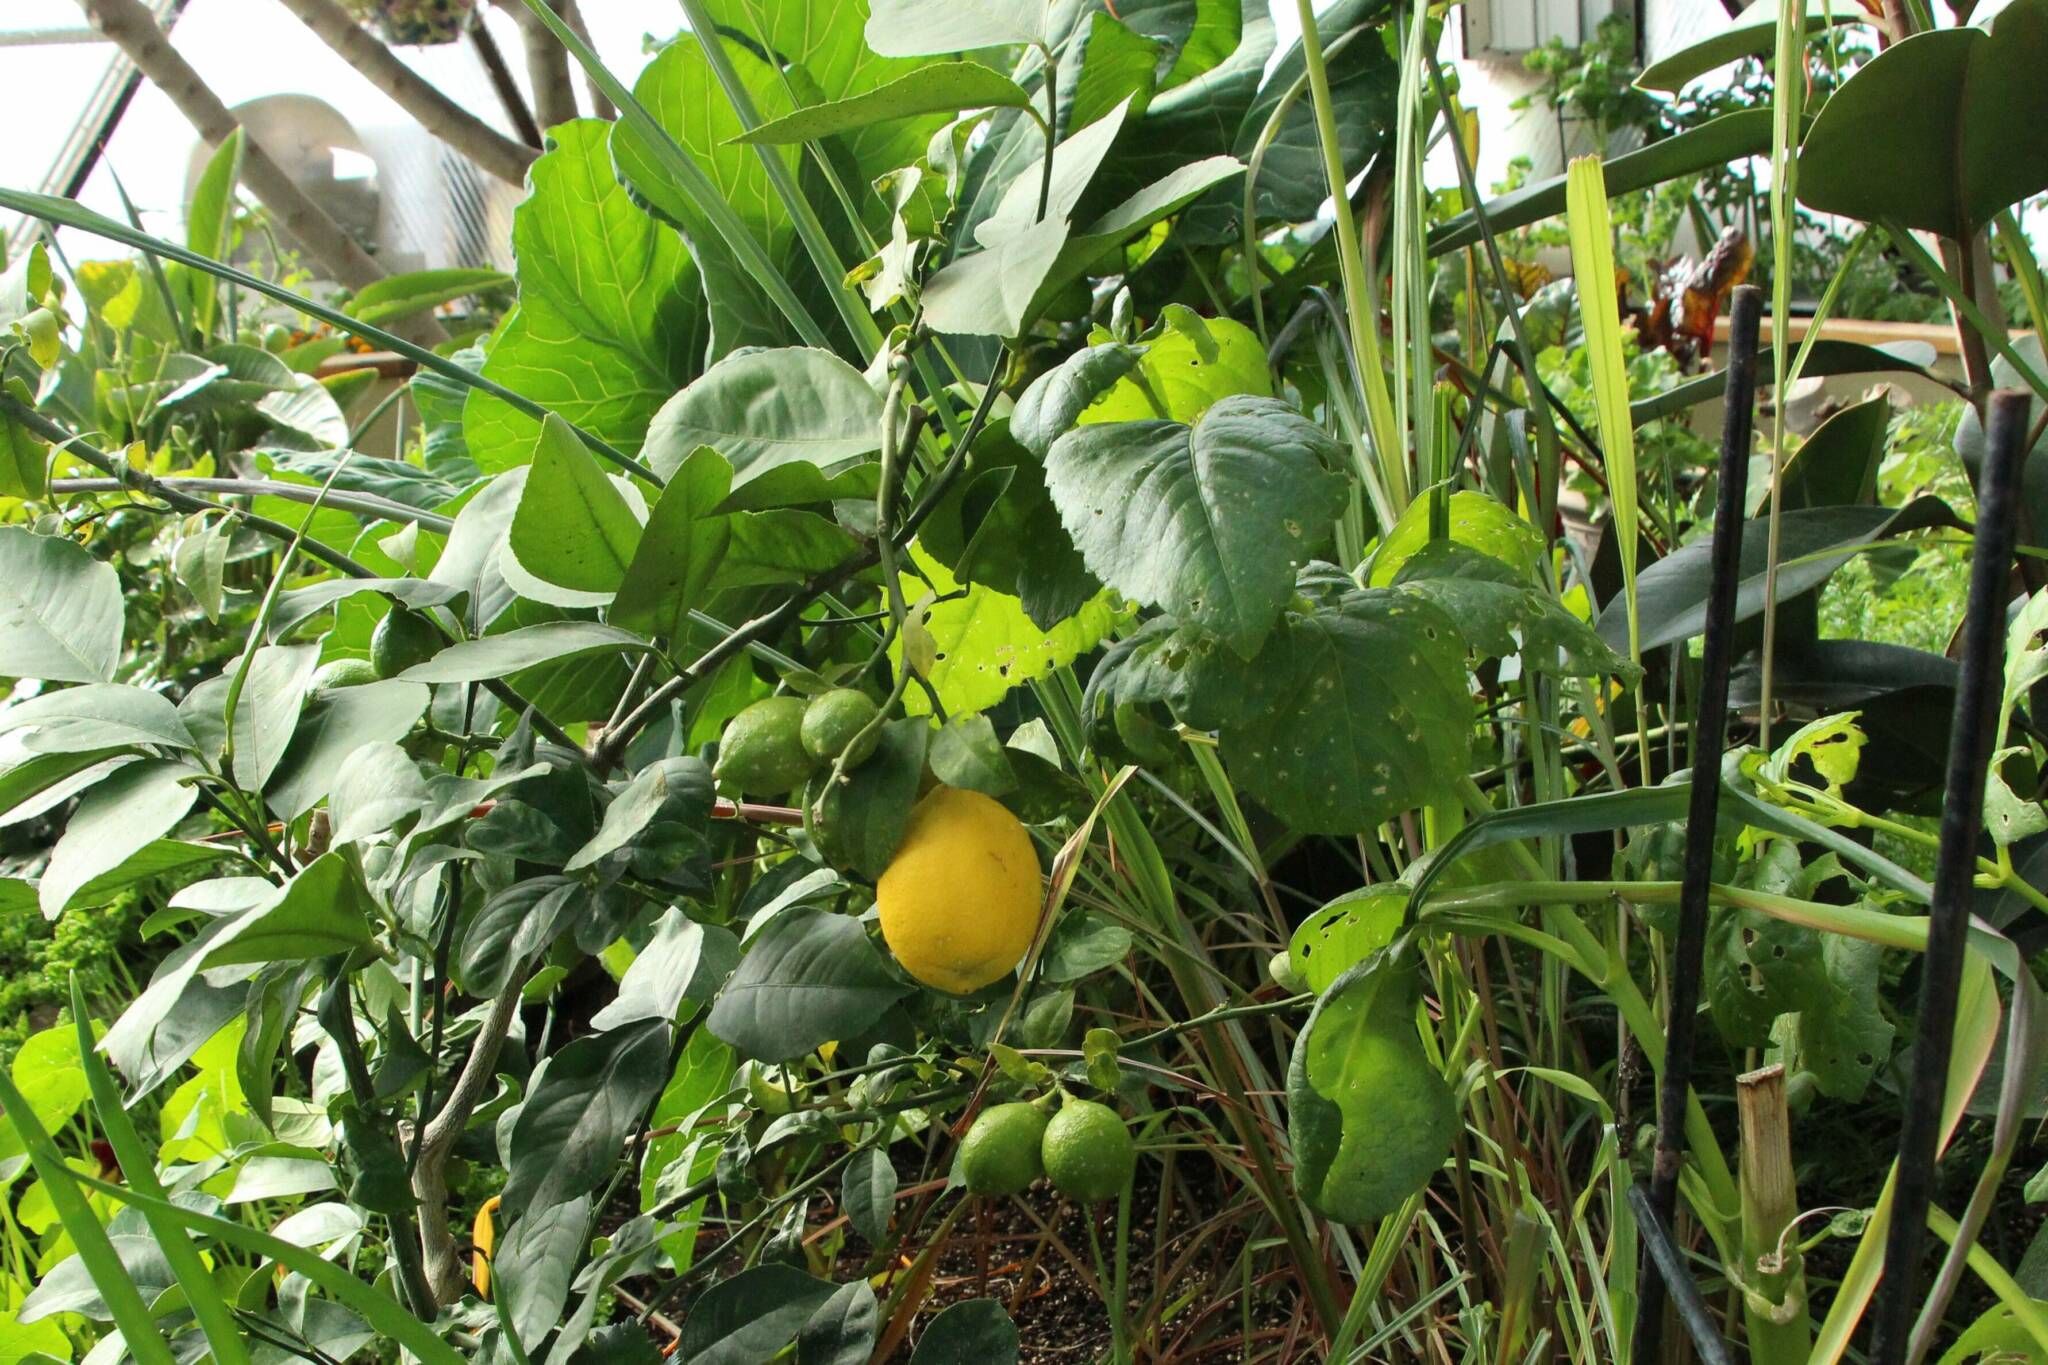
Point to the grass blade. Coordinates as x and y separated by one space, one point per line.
1593 268
381 1311
216 1318
131 1315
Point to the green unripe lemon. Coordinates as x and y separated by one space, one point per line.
835 719
276 337
772 1090
1001 1153
762 751
1088 1153
343 673
402 640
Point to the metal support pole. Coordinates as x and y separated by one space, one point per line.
1709 729
1666 1263
1972 731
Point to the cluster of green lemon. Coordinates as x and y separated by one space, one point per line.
779 743
1084 1149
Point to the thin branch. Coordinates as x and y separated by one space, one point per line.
430 1174
435 112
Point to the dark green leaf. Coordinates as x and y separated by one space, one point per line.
860 821
1955 163
684 963
335 725
494 656
586 1101
807 978
512 926
536 1261
868 1194
322 911
751 1317
977 1331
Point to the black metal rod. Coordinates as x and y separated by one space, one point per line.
1662 1256
1972 731
1710 727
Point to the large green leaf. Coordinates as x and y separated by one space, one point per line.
1355 711
129 810
1193 364
1370 1118
860 822
987 644
1826 358
1209 522
586 1101
574 528
1499 616
60 610
1752 33
684 963
1927 133
765 409
535 1263
808 977
510 928
679 554
1364 80
915 28
682 95
611 317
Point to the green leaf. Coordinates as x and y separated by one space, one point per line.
1593 264
209 227
994 292
1826 358
601 281
1838 463
333 726
322 911
302 604
511 927
1371 1120
129 810
1813 543
1955 164
96 716
535 1263
1057 398
1752 33
396 297
1193 364
574 528
24 456
494 656
1364 81
842 1331
1209 522
978 1330
1346 932
916 28
1354 712
765 409
266 711
965 752
586 1101
1499 616
987 644
859 823
807 978
668 793
60 610
1118 64
680 551
684 963
935 88
868 1193
1844 1036
752 1316
1476 521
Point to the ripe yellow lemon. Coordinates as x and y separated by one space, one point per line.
483 1236
959 901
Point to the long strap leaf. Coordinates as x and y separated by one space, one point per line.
216 1318
72 214
381 1311
138 1329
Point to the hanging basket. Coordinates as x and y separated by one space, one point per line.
414 23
